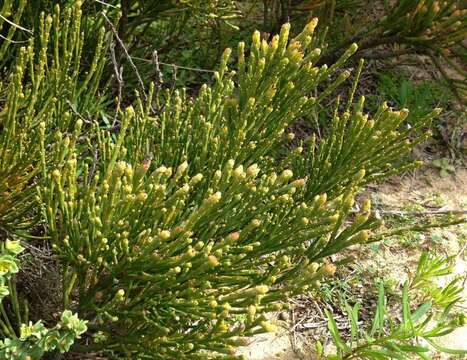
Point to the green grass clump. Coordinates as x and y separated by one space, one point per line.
412 333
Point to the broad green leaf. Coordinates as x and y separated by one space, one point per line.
413 348
13 247
378 321
421 311
8 265
332 326
319 349
352 314
406 317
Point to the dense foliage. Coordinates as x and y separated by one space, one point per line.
432 29
177 222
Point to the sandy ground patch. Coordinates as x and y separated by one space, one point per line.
424 188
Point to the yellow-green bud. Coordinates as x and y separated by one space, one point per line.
238 172
214 198
286 174
56 174
191 252
120 294
182 168
129 111
360 174
261 289
161 170
268 327
256 39
196 179
321 199
329 269
298 183
310 27
313 267
142 196
255 222
366 205
252 170
164 234
349 202
212 260
362 236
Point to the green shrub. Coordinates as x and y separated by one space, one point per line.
41 94
434 29
383 30
185 213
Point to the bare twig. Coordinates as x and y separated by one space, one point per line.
158 75
119 76
342 323
13 41
174 79
174 65
106 4
77 113
127 55
123 22
319 308
114 129
94 164
293 340
16 25
446 77
158 78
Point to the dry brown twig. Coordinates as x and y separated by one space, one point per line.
127 55
118 70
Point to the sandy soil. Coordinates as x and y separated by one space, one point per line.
432 193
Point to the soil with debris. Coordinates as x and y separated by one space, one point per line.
424 191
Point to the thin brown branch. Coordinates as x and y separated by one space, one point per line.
16 25
174 65
127 55
446 78
118 70
158 77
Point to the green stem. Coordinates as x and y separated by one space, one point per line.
68 290
7 322
14 299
